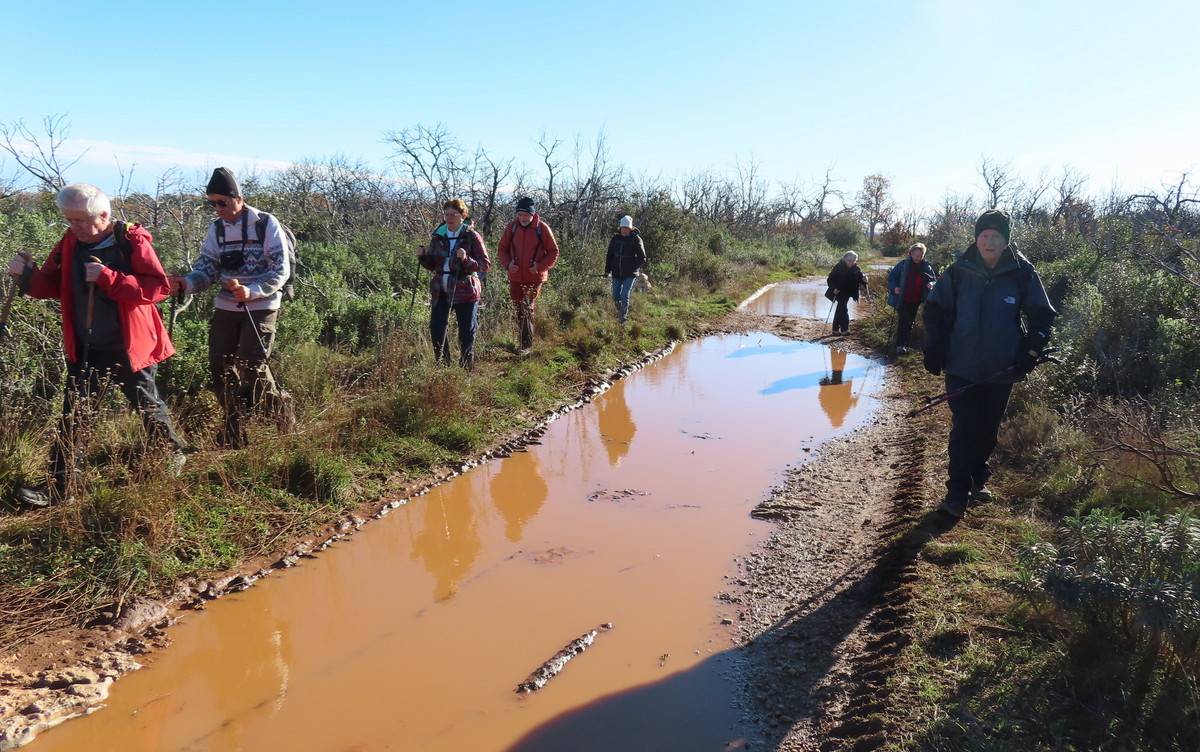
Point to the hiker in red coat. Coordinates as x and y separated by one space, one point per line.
115 339
528 251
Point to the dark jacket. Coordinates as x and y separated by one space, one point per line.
898 277
626 254
846 280
463 278
973 316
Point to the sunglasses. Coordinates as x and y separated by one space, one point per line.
219 202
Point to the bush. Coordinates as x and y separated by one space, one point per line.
1129 592
843 233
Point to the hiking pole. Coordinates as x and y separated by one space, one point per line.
931 402
87 323
8 300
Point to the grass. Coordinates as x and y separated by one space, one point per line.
989 669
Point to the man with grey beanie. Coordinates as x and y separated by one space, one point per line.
246 253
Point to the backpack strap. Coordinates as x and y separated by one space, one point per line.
121 240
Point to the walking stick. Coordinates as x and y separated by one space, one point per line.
8 301
931 402
87 322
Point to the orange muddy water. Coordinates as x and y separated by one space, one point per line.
414 633
805 299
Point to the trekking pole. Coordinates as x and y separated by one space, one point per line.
87 322
8 301
828 315
931 402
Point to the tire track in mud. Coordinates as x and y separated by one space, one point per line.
827 599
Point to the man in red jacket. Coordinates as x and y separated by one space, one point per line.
108 278
528 251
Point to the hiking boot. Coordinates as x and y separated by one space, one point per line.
901 350
982 494
39 497
953 506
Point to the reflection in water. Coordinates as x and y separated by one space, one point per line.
616 424
836 395
518 492
345 651
449 541
804 299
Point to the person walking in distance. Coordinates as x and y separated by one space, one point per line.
528 252
626 256
909 283
456 255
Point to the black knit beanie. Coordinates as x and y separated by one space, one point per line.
994 219
223 183
525 204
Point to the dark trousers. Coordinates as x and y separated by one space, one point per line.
86 386
841 317
439 319
239 343
906 314
524 298
977 414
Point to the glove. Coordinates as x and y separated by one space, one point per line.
934 360
1033 348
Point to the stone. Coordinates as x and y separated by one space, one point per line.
139 615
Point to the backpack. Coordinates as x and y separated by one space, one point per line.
290 246
512 237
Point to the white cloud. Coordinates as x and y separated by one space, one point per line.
157 158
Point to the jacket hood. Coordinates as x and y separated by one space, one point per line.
442 229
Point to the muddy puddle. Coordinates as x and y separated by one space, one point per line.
415 633
802 298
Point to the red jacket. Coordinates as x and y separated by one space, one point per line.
146 341
523 245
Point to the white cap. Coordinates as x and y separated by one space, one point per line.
626 221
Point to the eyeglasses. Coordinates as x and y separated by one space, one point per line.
219 202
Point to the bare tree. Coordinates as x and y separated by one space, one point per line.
875 203
39 155
1168 226
999 182
818 207
553 166
433 160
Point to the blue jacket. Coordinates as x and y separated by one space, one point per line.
898 277
973 316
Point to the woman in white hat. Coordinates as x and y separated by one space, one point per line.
626 255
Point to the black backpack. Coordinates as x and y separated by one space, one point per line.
290 246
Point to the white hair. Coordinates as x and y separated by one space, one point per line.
850 256
84 196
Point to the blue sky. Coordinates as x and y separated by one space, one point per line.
916 90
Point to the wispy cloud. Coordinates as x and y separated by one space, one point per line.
156 158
